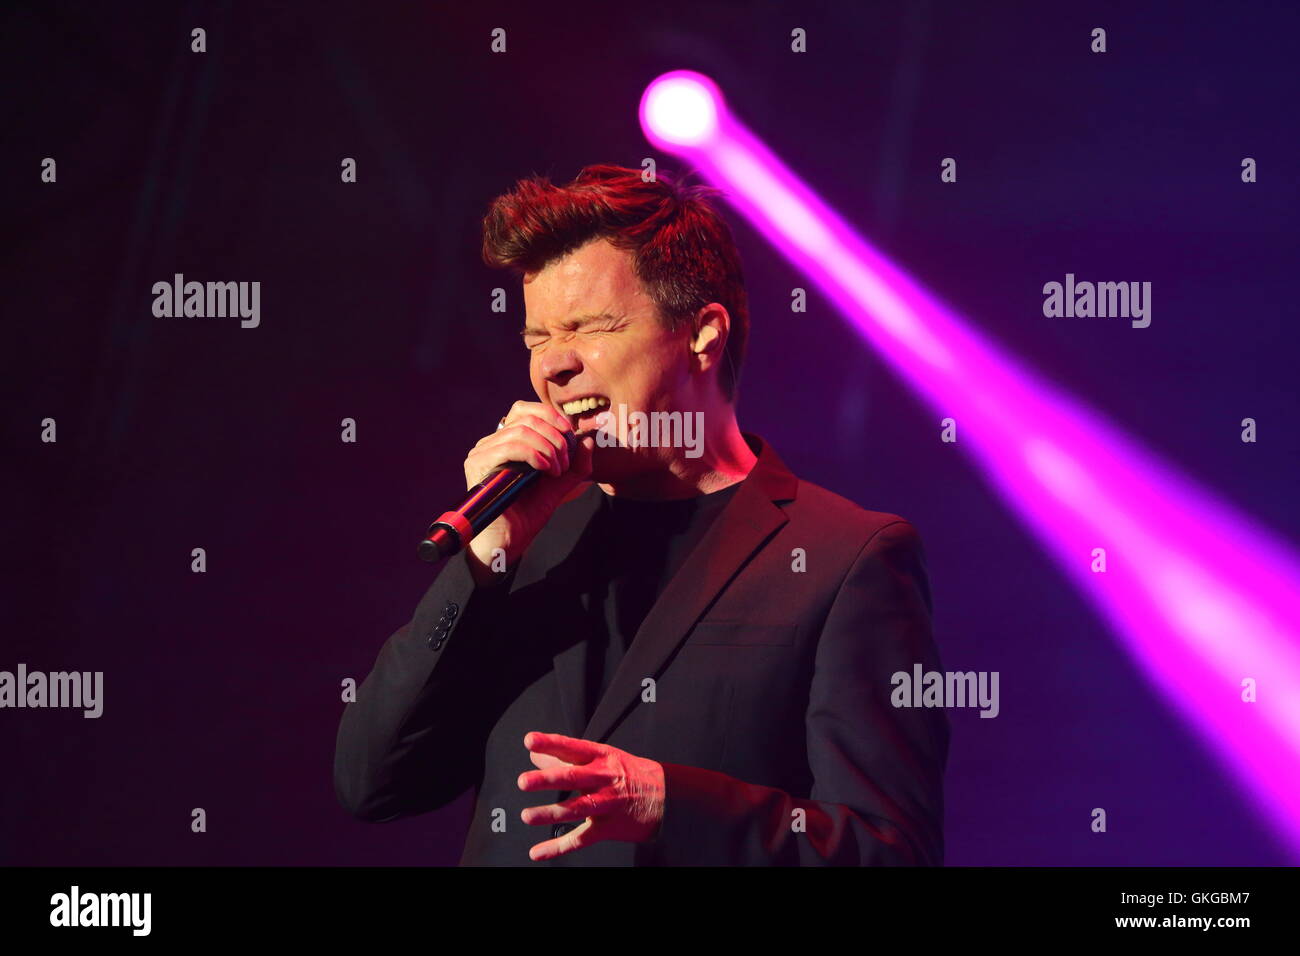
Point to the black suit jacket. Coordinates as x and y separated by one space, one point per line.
769 695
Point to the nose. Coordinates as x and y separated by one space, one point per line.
559 365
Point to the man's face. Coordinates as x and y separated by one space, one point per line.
593 330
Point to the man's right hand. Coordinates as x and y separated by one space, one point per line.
533 433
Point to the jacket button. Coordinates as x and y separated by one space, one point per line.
562 828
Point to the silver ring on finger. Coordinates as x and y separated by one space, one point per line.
501 424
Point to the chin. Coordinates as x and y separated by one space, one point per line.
614 464
611 464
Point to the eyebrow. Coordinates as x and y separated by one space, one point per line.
577 322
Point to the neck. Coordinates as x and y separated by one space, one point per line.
725 459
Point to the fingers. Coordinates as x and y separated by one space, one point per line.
570 749
543 761
521 443
532 433
545 420
570 811
534 436
539 410
575 839
563 776
553 436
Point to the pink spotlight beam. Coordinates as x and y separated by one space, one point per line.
1203 599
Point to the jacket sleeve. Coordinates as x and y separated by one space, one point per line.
413 741
877 770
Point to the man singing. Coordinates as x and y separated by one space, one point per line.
666 652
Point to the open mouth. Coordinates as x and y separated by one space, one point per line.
584 408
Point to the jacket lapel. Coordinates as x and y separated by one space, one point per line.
747 521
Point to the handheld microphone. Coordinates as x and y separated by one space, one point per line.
483 504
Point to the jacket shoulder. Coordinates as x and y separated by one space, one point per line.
818 508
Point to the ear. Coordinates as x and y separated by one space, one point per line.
704 339
711 326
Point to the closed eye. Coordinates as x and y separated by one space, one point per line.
534 337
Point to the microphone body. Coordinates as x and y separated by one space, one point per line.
452 530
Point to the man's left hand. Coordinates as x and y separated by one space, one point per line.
621 796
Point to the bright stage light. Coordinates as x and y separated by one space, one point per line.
681 109
1205 602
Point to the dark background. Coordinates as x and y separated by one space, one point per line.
222 689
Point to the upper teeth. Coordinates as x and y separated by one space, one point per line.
584 404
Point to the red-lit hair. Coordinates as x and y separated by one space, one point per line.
682 249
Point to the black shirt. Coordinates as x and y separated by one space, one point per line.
639 547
